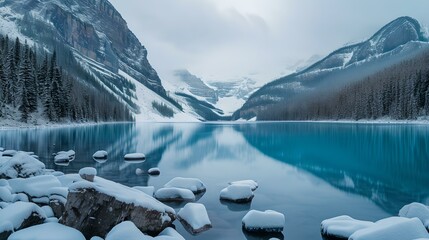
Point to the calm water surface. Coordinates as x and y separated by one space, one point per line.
308 171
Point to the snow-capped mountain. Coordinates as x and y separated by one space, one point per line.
395 42
213 100
99 40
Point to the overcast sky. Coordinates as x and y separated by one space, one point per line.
230 39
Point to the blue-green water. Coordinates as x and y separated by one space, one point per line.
308 171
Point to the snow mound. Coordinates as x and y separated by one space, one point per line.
134 157
237 193
48 231
417 210
16 214
21 165
37 187
154 171
126 231
394 228
48 211
9 153
169 234
194 218
342 226
251 183
121 193
172 194
149 190
100 155
193 184
268 221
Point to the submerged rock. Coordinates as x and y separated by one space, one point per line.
263 222
193 184
89 203
194 218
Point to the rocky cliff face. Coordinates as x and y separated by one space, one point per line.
393 43
97 36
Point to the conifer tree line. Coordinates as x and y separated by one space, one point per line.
33 85
400 92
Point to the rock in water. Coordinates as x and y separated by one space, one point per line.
251 183
342 227
417 210
263 222
100 155
96 207
88 173
237 193
154 171
193 184
21 165
174 194
135 157
194 218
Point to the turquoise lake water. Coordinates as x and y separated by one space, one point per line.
307 171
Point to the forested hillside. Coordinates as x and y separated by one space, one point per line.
399 92
35 89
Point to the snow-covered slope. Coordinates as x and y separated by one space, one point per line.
96 40
395 42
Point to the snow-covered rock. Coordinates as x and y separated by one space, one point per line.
149 190
88 173
70 153
89 203
193 184
251 183
62 160
173 194
154 171
2 149
135 157
126 231
268 221
18 216
5 194
342 227
48 211
9 153
237 193
21 165
36 187
194 218
393 228
417 210
100 155
169 234
47 231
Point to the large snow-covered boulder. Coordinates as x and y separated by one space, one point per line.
342 227
21 165
263 222
89 203
394 228
126 230
18 216
173 194
417 210
193 184
237 193
47 231
194 218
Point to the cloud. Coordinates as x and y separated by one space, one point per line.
227 39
